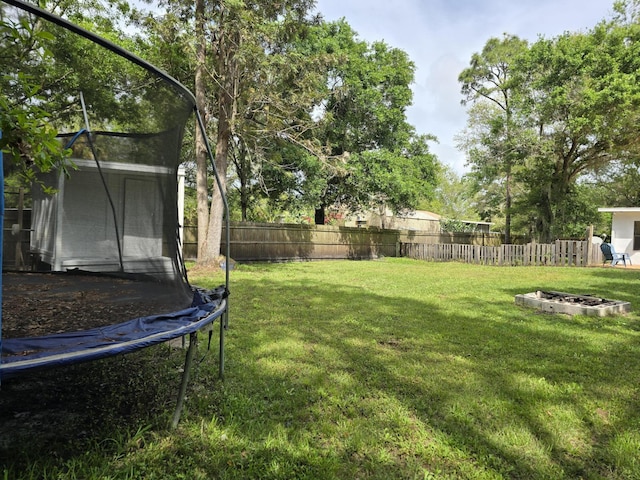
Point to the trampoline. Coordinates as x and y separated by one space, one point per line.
108 240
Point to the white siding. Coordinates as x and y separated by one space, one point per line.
622 234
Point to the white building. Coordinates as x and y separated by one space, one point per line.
75 228
625 231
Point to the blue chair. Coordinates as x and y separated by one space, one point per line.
610 255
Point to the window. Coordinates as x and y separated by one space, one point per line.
636 235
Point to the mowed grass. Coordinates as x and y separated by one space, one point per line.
397 369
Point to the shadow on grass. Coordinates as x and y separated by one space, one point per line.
311 395
61 413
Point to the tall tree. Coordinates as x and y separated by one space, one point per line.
489 78
247 40
254 89
582 97
202 161
363 122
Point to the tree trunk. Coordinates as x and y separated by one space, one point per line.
244 202
242 161
547 217
214 232
202 190
507 208
226 96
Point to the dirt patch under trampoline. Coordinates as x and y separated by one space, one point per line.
37 304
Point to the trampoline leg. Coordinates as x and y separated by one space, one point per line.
193 341
223 321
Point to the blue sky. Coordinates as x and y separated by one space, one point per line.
441 35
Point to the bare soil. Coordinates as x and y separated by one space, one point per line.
36 304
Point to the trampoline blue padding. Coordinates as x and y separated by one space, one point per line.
22 355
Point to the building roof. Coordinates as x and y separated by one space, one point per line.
619 209
418 215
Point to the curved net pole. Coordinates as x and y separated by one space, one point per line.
34 9
224 321
104 181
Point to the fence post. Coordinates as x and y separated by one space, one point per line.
589 245
534 252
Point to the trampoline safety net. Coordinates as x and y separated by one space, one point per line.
114 211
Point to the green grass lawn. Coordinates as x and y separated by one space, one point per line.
386 369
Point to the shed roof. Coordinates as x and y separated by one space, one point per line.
619 209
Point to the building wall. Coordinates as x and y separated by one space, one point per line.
622 234
411 222
75 227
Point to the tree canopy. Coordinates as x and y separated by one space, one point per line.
374 157
498 151
27 135
567 110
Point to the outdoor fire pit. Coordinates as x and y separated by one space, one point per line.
571 304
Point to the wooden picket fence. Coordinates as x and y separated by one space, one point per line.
560 253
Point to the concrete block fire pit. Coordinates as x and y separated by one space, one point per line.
571 304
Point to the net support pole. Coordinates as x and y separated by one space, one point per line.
87 131
224 320
193 342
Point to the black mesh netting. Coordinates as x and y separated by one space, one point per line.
116 210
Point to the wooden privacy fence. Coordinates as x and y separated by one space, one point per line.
276 242
576 253
281 241
284 242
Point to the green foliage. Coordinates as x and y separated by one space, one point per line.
375 158
454 225
452 197
584 98
496 148
291 179
369 92
398 180
565 108
489 75
28 138
619 183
